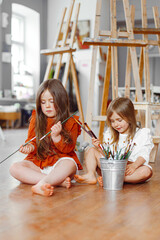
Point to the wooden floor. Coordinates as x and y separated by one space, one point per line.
83 212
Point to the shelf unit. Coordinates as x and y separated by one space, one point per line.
155 93
23 86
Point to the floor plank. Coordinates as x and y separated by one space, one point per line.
82 212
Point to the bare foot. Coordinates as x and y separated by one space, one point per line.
100 181
66 183
45 189
86 178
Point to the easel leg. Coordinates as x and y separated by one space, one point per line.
114 72
153 154
128 74
157 23
75 80
49 68
66 71
105 92
91 90
58 66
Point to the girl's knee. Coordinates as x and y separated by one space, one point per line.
90 151
67 163
147 172
72 166
14 169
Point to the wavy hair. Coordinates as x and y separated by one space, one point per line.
61 104
124 107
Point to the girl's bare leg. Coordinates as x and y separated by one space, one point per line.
92 162
100 181
26 172
60 176
141 174
66 183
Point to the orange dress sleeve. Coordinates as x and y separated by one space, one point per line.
74 129
31 131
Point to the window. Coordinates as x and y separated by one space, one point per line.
18 45
25 51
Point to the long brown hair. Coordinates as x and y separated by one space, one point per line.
61 104
124 107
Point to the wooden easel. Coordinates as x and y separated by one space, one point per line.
144 56
112 63
65 46
148 107
116 39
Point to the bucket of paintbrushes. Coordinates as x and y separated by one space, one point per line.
113 172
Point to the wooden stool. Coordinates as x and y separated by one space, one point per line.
10 118
2 134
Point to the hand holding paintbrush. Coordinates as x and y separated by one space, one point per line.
91 134
97 144
29 142
27 148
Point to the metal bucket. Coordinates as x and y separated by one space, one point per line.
113 172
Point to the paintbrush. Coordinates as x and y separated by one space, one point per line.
35 137
83 127
129 151
90 130
91 134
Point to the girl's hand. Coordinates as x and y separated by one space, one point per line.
96 142
27 149
55 132
130 169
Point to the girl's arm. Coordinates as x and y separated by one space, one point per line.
143 147
96 143
31 131
55 132
27 149
130 169
61 145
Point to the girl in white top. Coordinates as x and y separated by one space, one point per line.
122 130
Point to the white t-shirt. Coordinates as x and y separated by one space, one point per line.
143 144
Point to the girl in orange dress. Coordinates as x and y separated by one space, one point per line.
51 161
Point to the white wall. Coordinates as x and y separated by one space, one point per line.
55 8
